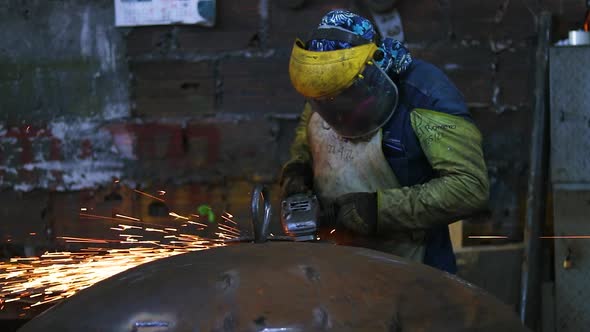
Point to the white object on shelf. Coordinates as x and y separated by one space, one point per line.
161 12
579 37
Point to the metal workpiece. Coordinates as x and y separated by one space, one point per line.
280 286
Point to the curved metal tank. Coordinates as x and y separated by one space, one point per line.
280 286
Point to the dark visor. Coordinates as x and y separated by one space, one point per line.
363 107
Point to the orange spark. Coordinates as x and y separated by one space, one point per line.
129 235
12 300
228 219
487 237
147 229
82 239
129 227
127 217
148 195
196 223
176 215
94 216
567 237
228 229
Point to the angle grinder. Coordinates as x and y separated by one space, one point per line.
299 216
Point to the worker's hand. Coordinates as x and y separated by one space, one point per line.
357 212
296 178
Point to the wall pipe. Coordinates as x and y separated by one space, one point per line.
530 297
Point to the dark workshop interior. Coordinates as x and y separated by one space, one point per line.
144 147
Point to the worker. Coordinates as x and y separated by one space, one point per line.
385 141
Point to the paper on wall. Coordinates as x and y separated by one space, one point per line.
158 12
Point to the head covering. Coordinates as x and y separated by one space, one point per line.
396 58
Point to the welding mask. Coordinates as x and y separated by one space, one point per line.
345 86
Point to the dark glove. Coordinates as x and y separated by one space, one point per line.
357 212
296 178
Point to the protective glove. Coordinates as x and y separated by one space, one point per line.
357 212
296 178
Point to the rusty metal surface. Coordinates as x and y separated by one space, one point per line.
280 286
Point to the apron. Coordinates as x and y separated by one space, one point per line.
343 166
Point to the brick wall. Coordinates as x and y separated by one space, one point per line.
204 113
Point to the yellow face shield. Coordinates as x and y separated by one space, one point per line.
321 74
345 87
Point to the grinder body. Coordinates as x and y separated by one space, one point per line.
299 217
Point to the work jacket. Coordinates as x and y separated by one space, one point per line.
434 150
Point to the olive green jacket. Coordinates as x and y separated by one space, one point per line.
452 146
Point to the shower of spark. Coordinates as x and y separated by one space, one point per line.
35 281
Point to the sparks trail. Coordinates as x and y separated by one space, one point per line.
566 237
54 276
119 219
86 240
196 223
59 275
127 217
148 195
228 218
487 237
228 228
178 216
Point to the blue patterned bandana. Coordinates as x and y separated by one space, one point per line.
397 57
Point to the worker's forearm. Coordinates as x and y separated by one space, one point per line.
440 201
